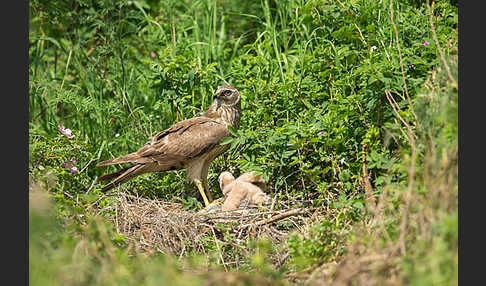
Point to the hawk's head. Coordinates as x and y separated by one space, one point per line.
226 106
226 95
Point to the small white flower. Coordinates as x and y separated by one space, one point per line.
117 134
373 48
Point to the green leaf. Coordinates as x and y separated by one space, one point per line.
226 140
232 131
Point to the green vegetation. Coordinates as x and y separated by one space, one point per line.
337 114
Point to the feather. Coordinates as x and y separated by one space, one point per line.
113 175
120 160
123 176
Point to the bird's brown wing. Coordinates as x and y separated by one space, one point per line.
184 140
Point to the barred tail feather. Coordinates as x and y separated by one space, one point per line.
132 171
113 175
122 176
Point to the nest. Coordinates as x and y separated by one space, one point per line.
165 227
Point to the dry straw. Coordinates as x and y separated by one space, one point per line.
158 226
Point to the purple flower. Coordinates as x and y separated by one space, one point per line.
152 54
71 166
320 132
73 169
426 43
66 131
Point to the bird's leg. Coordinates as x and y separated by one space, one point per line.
201 190
204 177
208 192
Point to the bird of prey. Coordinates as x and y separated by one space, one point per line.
191 144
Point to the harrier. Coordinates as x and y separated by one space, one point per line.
191 144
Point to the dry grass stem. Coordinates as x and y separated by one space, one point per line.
158 226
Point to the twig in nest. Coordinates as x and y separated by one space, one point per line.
219 250
276 218
282 261
236 216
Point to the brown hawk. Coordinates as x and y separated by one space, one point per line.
190 144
